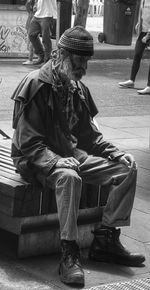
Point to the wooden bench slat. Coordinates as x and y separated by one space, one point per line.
7 161
19 199
12 184
6 157
15 177
9 207
16 189
7 169
5 149
19 208
7 166
3 153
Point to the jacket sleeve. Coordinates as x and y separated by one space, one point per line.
99 146
31 137
90 137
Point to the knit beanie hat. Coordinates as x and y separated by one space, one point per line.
77 40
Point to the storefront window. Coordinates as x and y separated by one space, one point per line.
13 2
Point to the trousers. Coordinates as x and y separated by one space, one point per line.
41 26
120 181
138 53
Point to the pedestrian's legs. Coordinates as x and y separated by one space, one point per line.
46 36
34 32
31 51
146 90
148 82
138 53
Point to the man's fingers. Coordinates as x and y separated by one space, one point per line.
72 162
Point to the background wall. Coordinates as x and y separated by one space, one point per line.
13 35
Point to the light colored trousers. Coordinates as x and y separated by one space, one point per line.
67 183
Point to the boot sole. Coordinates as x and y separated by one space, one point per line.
117 260
126 87
74 280
143 93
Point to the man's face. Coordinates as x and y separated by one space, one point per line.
75 66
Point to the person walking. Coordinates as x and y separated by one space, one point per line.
31 9
142 42
41 24
56 141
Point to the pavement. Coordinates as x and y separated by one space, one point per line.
124 119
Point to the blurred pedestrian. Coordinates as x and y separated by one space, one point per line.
31 9
143 27
41 24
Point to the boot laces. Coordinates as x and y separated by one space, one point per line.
71 253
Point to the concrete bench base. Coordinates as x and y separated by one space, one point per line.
48 241
39 235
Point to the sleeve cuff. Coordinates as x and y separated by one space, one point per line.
116 155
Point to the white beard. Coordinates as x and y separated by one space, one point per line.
66 68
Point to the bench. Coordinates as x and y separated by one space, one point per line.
30 212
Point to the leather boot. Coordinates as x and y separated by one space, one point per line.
70 269
106 247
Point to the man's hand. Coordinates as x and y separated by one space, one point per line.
128 160
69 162
137 27
146 38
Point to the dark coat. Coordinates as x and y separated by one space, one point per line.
41 134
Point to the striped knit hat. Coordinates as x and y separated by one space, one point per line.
77 40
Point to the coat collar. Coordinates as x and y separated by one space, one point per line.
46 76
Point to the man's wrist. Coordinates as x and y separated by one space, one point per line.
115 156
147 36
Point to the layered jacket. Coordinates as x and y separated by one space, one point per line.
41 132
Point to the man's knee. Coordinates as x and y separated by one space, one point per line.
122 172
69 182
126 172
32 35
70 175
128 169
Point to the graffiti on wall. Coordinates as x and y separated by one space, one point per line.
4 32
13 35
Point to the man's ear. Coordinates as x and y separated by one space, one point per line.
63 53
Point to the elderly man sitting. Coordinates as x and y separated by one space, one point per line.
56 142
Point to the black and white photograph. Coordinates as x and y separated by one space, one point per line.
74 144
